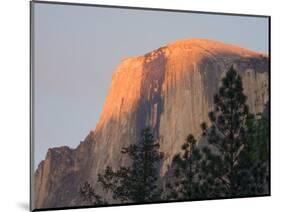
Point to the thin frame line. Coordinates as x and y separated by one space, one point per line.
147 8
32 108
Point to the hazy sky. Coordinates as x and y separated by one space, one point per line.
77 48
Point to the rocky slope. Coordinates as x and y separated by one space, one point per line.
170 89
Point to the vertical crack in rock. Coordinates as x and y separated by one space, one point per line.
150 105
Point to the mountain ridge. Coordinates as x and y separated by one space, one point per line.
204 44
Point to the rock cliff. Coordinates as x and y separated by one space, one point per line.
170 89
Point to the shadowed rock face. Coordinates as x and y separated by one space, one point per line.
170 89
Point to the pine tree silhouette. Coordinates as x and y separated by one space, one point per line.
136 183
233 161
184 184
230 166
90 197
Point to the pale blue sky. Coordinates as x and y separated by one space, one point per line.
77 48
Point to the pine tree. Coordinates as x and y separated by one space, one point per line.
89 195
226 169
138 182
254 158
184 184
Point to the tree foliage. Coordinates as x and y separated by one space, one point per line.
234 160
186 166
227 137
139 181
90 196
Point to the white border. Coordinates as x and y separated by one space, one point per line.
14 104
